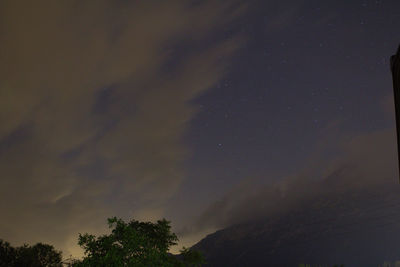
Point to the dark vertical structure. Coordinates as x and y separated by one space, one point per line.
395 66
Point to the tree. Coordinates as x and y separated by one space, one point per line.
135 244
7 254
191 257
39 255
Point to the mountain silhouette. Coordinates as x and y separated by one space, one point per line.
357 227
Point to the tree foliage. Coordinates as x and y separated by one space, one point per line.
135 244
129 244
191 257
39 255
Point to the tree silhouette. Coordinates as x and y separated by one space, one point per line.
39 255
135 244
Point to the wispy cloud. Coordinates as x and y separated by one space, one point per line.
91 119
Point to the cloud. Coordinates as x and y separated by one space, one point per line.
361 161
93 102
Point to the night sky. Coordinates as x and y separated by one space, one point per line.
186 109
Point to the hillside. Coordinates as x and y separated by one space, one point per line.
331 229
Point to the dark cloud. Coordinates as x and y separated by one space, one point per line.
82 88
362 162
